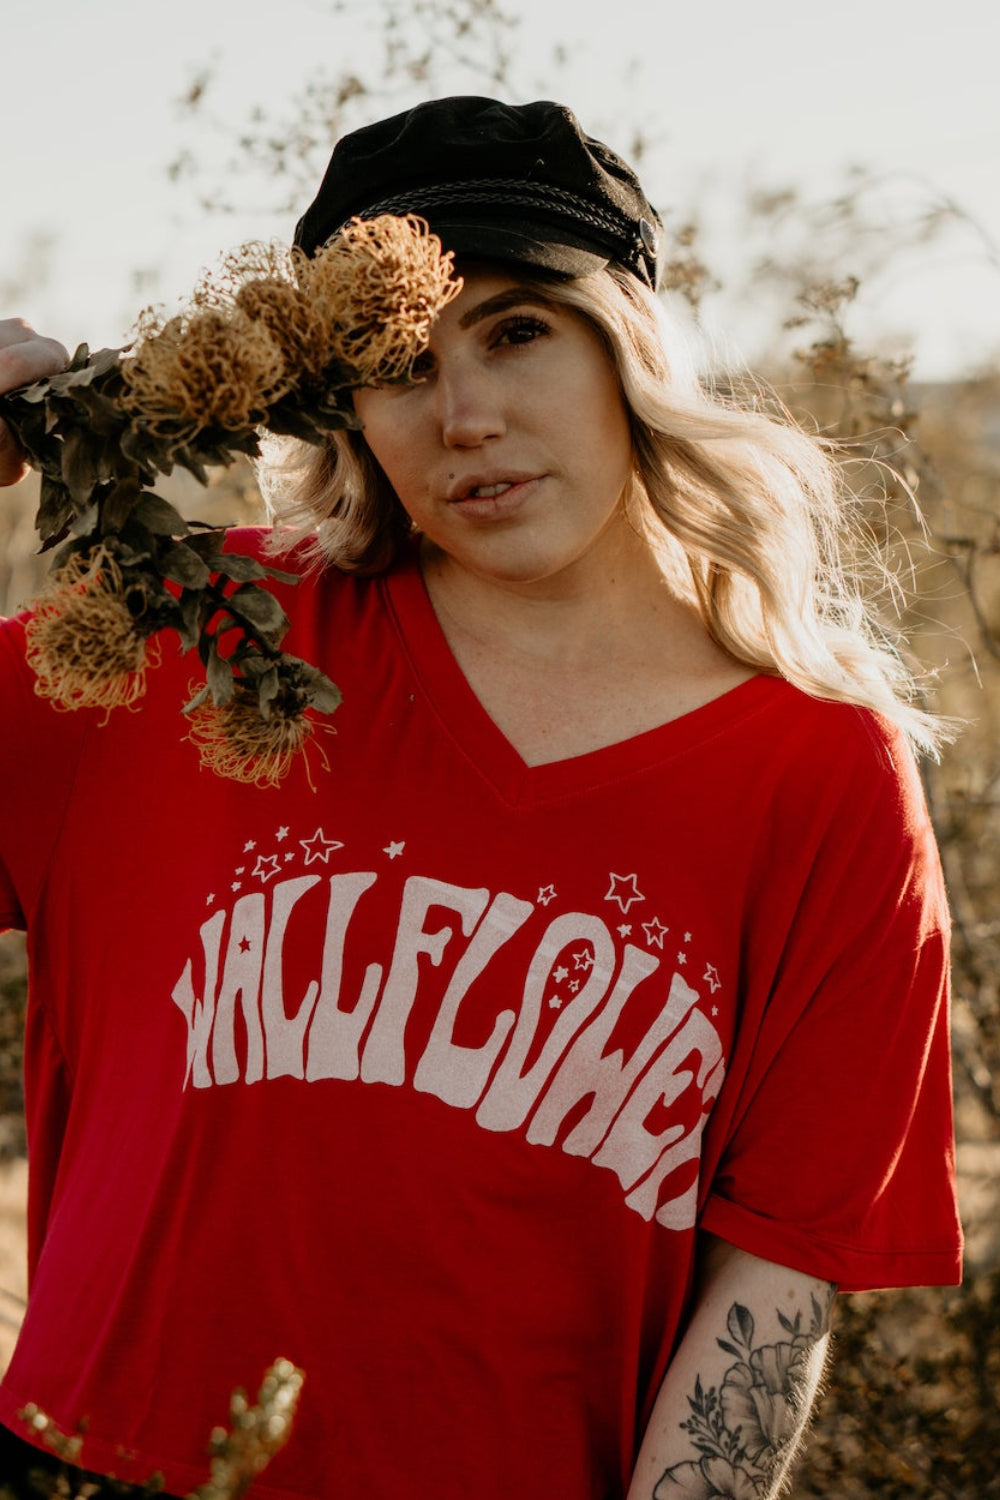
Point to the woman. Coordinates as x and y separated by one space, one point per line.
620 863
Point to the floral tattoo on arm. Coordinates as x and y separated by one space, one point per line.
746 1429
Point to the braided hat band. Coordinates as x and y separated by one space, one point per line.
628 244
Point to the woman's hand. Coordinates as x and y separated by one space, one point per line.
24 357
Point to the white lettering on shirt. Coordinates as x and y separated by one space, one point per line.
542 1062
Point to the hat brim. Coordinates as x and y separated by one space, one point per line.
543 246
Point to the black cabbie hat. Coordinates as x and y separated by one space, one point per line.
517 182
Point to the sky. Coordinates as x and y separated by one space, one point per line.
725 97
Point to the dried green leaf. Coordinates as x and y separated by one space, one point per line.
119 504
84 372
325 696
261 609
55 511
160 517
291 421
198 699
268 687
81 468
220 676
85 521
207 543
104 415
189 608
136 544
241 568
237 566
33 394
187 460
181 565
140 448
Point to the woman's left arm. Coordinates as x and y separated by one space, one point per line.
735 1401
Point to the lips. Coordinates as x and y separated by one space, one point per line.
488 491
484 486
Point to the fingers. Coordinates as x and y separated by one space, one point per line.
24 357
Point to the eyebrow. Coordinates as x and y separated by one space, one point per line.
514 296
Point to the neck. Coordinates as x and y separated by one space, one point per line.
585 613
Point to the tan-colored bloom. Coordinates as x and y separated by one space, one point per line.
272 320
381 282
235 741
260 281
207 367
83 644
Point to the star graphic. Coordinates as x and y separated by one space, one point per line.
210 899
715 1010
687 937
394 849
289 855
583 959
250 844
574 985
682 958
655 932
236 885
319 847
625 890
245 945
266 866
711 978
555 1003
239 869
546 893
560 974
625 930
281 834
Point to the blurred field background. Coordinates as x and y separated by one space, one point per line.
912 1405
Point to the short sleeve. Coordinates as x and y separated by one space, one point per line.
39 751
837 1154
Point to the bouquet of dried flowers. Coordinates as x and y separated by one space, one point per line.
273 340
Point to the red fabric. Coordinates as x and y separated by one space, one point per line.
419 1078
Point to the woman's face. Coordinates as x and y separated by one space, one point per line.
512 453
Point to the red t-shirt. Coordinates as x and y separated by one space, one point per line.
424 1078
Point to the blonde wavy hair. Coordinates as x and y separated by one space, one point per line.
751 516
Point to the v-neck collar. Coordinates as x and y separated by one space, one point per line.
479 739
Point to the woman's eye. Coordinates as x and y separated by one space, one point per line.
521 330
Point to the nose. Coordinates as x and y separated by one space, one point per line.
470 405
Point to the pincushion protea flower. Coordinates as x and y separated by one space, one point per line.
273 340
254 734
84 642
